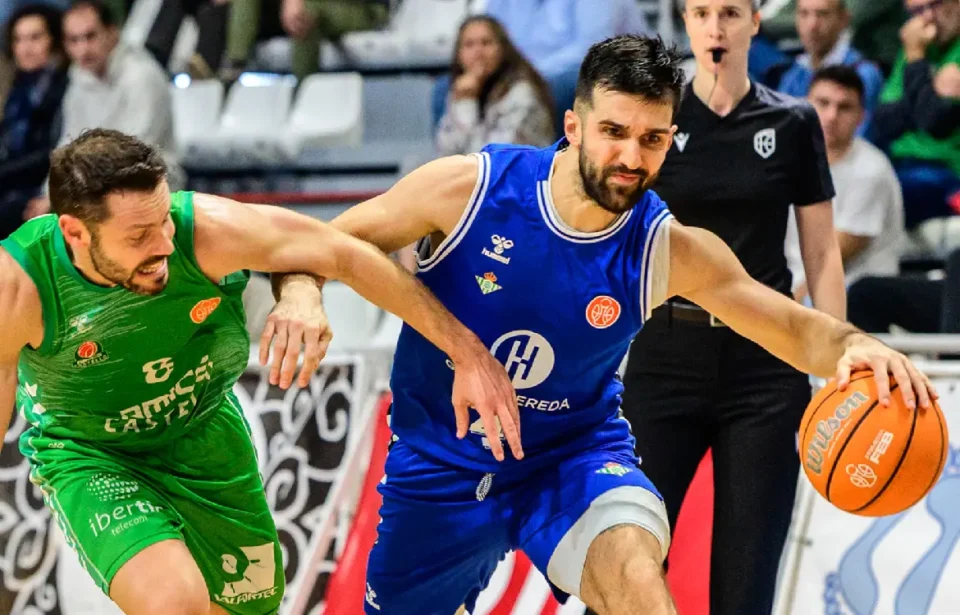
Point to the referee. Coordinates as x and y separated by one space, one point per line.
741 156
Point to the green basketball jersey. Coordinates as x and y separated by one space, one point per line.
122 370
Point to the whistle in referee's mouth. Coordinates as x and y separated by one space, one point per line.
717 54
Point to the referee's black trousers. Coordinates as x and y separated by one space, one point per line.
691 386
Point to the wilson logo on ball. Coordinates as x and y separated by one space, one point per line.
827 429
203 309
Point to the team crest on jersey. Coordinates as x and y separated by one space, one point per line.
603 311
203 309
614 469
765 142
89 353
488 283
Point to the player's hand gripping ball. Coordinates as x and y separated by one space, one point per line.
867 458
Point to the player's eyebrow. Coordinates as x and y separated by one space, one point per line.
612 124
146 225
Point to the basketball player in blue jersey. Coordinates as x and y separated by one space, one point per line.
554 258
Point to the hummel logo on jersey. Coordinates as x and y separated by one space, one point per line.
765 142
681 139
500 245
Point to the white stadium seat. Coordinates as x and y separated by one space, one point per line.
255 113
421 33
137 26
328 111
196 115
433 26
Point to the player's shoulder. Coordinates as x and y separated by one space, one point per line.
792 107
20 303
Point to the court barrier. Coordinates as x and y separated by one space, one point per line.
315 446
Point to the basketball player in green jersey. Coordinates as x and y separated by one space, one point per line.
121 315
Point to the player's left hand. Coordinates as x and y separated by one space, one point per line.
297 321
868 353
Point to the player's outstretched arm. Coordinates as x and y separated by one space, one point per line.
230 236
429 200
22 325
704 270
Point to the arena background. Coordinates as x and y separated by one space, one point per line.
322 148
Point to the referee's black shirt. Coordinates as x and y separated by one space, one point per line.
737 175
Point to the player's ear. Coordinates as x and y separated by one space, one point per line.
74 231
572 127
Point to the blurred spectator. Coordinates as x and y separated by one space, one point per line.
211 17
873 23
119 8
7 72
113 85
915 303
919 112
31 112
823 26
868 207
308 22
496 96
556 34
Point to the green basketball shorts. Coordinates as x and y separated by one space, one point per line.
203 489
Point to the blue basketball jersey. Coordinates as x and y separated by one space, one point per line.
558 307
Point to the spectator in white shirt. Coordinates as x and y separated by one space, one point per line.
868 208
113 85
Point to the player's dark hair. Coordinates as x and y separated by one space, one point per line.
841 74
107 18
632 64
98 163
51 18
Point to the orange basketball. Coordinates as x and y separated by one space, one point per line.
868 459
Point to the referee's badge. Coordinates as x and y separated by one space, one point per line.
681 139
765 142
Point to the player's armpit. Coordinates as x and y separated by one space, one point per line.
431 199
22 325
704 270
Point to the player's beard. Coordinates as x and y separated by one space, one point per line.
615 199
115 273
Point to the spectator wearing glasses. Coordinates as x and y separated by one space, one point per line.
919 114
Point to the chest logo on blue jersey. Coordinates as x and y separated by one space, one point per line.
603 311
527 356
765 142
500 245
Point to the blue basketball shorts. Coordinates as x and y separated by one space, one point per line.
443 529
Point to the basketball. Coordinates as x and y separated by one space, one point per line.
868 459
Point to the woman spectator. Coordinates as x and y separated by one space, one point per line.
495 96
30 126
